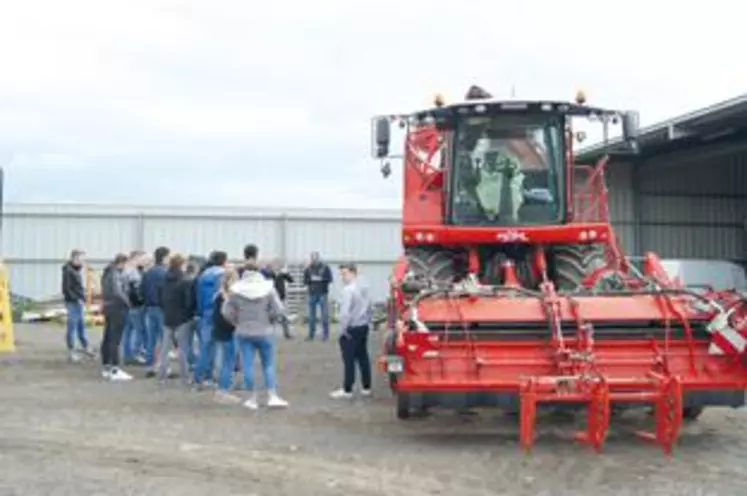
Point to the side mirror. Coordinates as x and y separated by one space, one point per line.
382 137
630 126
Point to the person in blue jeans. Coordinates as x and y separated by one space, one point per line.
152 286
225 340
193 270
317 277
73 292
207 287
135 337
253 307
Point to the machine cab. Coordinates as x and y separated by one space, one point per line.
496 163
506 169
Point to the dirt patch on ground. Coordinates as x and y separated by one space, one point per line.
63 431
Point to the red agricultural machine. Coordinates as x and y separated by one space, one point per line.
513 291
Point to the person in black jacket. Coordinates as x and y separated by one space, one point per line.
178 303
279 276
134 337
151 284
223 335
74 294
116 304
317 277
194 266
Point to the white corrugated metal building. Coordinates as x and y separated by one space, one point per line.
684 195
37 238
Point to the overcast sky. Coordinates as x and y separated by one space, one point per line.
269 103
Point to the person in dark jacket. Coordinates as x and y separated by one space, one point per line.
178 304
73 292
190 271
194 266
151 286
280 276
317 277
134 337
224 338
116 304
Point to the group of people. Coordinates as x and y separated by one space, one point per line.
157 309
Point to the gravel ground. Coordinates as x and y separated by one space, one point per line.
66 432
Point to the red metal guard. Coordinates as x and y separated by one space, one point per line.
575 367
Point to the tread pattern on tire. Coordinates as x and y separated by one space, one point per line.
572 263
434 265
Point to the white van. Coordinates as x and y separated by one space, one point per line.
702 273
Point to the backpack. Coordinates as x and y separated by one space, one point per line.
207 288
135 293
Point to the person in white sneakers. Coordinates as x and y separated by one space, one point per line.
74 294
355 323
253 306
116 306
223 335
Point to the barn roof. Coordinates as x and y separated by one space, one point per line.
722 121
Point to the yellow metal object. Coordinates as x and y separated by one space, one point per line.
90 282
7 338
94 320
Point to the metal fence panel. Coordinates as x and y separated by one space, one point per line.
34 237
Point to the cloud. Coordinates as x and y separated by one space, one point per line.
202 100
46 161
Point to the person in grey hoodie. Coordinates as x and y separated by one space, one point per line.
355 324
253 306
115 305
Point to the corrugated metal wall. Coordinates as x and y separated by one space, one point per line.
620 196
37 239
694 205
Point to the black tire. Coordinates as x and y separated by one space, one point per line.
431 265
572 263
403 406
691 413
